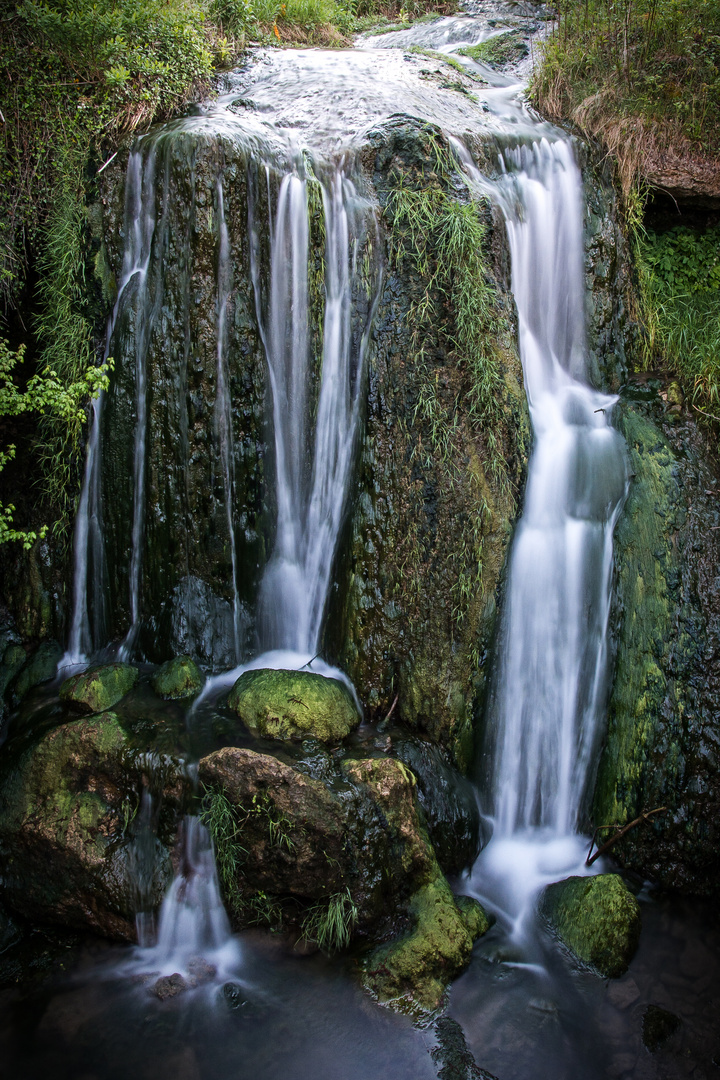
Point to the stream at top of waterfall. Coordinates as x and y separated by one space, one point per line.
252 1005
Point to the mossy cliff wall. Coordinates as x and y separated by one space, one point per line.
663 737
435 497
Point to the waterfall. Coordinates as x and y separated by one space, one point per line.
548 691
312 468
223 407
88 621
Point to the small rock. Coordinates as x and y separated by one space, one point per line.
597 918
99 688
200 971
169 986
658 1026
623 994
178 678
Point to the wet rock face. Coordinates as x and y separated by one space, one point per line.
597 918
187 574
68 806
294 705
662 747
433 503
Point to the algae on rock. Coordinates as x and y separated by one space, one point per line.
662 747
178 678
99 688
67 808
598 919
287 705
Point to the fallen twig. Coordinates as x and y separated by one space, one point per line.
622 831
391 709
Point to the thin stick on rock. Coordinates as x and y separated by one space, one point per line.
622 831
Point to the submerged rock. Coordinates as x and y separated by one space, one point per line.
294 705
452 1056
99 688
658 1026
67 829
178 678
597 918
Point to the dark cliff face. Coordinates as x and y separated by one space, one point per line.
663 741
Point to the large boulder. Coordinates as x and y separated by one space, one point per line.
597 918
69 826
349 840
178 678
99 688
292 705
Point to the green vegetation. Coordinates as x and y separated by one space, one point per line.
226 822
50 396
329 924
74 78
597 918
680 289
445 239
638 74
497 51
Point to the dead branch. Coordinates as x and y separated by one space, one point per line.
623 830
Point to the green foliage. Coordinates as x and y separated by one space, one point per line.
680 289
48 395
653 61
506 48
329 924
226 823
445 239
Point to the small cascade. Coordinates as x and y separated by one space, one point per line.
312 467
549 687
88 627
193 936
223 407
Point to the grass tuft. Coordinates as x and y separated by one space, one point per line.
329 924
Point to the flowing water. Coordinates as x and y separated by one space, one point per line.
306 113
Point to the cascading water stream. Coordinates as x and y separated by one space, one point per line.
87 626
223 407
549 687
312 469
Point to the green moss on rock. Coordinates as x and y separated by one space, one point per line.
67 807
597 918
178 678
474 916
291 705
419 966
99 688
40 668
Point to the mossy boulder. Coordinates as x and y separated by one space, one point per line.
597 918
295 841
178 678
68 821
99 688
291 705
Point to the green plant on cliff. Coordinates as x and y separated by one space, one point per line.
47 395
445 238
638 74
679 274
329 923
